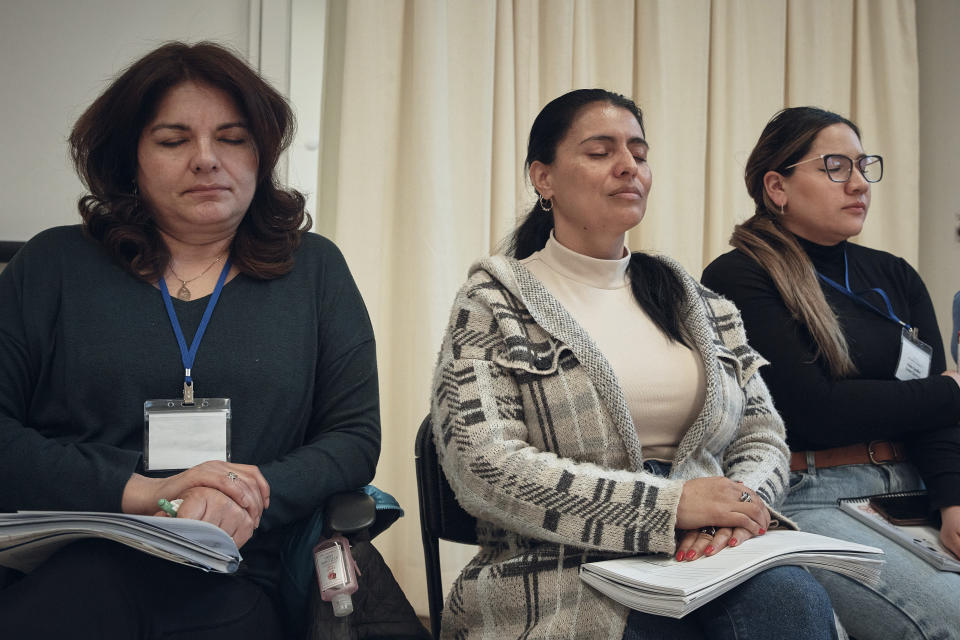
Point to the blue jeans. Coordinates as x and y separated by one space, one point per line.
913 600
783 602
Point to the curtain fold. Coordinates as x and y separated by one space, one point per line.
427 105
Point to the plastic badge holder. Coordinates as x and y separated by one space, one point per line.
179 436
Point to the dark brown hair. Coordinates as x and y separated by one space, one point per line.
786 139
104 150
655 287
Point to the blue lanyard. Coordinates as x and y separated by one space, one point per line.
845 290
187 355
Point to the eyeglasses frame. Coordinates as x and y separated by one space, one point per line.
853 163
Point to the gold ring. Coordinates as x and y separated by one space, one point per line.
710 531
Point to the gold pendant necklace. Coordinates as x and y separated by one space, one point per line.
184 292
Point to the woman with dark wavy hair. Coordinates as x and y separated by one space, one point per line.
107 139
187 239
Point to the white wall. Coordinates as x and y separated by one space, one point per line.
56 56
938 25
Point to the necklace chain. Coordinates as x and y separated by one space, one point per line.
184 292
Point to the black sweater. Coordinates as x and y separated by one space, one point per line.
821 412
83 345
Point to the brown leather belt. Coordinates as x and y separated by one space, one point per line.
876 452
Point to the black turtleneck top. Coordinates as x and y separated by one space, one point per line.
821 412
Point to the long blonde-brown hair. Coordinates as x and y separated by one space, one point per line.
785 140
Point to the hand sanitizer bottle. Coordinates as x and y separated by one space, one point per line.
337 573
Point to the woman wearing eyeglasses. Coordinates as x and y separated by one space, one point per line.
855 354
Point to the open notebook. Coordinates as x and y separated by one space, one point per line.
27 538
923 540
662 586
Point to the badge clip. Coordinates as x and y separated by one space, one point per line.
188 392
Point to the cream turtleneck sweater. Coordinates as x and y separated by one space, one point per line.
663 381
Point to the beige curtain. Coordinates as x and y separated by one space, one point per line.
427 104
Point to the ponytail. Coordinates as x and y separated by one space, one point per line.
778 252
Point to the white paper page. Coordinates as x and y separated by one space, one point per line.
201 535
180 440
29 537
670 576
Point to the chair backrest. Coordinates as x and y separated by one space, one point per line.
7 250
441 517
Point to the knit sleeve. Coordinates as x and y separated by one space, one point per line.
758 456
484 443
499 477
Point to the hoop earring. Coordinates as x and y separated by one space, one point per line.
543 204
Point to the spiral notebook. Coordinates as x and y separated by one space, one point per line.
923 540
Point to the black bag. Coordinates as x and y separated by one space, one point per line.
380 610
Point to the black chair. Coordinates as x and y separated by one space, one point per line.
8 249
441 518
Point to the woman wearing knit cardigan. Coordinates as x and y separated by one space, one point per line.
590 403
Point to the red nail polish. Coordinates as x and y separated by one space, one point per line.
733 542
762 531
708 550
680 556
691 554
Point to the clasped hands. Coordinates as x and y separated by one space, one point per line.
231 496
717 502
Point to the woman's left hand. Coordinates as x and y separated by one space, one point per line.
698 543
950 529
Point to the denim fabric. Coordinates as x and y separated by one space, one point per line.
913 600
783 602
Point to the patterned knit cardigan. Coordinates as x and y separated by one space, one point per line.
537 442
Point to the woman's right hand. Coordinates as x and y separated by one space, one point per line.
715 501
242 483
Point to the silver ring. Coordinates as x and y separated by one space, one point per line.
745 497
233 476
710 531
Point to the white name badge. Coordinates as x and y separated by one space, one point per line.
915 357
179 436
